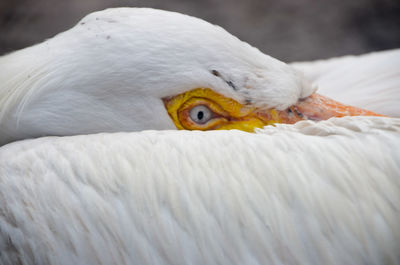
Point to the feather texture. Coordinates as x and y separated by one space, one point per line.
370 81
311 193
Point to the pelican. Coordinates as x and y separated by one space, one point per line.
121 69
123 187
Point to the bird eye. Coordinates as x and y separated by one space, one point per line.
200 114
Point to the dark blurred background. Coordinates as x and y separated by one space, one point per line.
290 30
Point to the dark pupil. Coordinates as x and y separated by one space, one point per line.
200 115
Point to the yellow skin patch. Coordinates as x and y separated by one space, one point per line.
204 109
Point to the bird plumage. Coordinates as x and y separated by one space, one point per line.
101 75
309 193
369 81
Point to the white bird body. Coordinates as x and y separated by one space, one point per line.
309 193
369 81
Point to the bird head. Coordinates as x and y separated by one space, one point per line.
130 69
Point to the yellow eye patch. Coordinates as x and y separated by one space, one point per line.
204 109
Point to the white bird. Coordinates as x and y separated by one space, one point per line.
309 193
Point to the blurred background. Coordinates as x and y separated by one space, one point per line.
291 30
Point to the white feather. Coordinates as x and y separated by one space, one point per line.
312 193
370 81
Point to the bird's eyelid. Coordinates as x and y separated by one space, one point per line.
210 104
217 114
